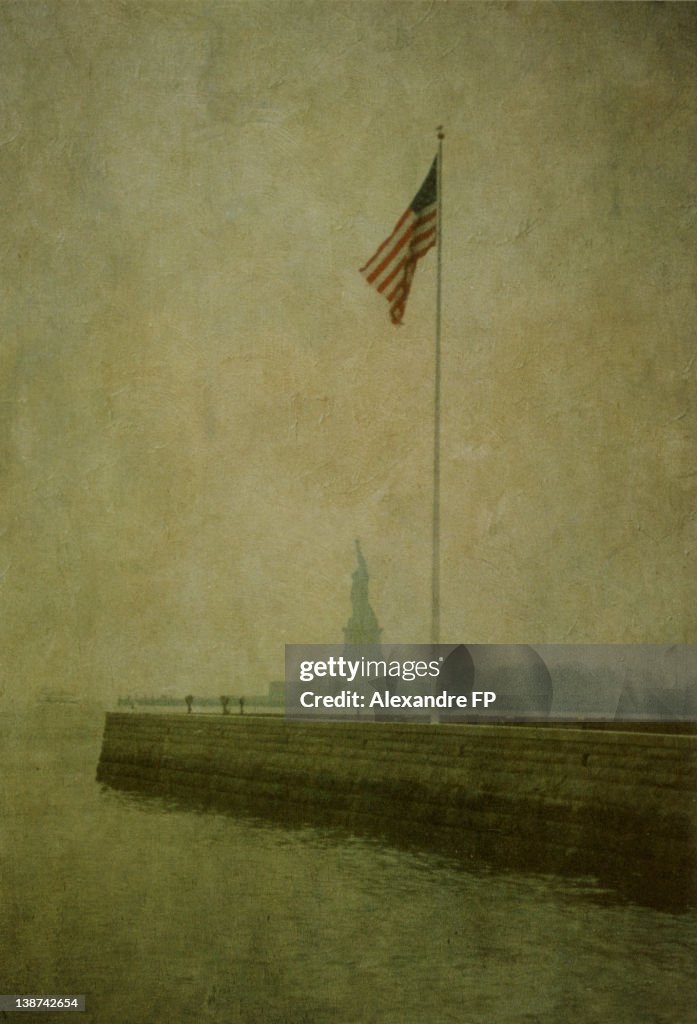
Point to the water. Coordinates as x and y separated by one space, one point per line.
159 913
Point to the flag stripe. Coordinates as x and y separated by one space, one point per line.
387 240
415 253
391 268
419 244
414 237
400 242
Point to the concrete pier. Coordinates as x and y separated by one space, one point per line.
620 805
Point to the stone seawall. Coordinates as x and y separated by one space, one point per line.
615 804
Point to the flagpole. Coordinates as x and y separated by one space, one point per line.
435 591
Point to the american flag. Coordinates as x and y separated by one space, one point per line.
391 269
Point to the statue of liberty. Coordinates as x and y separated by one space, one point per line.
363 625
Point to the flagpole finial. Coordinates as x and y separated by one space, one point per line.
441 133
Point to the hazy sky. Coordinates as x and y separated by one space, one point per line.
202 403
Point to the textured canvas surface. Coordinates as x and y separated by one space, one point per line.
203 405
